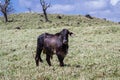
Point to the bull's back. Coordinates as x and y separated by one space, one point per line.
51 42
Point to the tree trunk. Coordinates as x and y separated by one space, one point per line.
45 14
5 16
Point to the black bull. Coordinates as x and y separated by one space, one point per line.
53 44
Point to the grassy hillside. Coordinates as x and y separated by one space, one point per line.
94 52
36 21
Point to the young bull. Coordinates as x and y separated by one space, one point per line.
53 44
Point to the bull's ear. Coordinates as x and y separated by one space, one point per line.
70 33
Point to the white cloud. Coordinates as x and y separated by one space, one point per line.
59 8
33 4
95 4
108 14
114 2
25 3
37 8
102 13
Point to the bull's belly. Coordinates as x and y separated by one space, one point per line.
53 51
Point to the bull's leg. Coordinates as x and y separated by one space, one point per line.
37 61
38 57
48 59
61 58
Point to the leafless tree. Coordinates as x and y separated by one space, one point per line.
29 9
45 6
5 8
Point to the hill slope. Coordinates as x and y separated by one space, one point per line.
35 21
94 51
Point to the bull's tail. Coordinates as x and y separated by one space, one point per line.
39 48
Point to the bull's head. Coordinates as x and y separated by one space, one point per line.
64 34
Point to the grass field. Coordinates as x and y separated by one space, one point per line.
94 51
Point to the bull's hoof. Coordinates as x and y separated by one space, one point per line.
37 64
49 64
62 65
41 61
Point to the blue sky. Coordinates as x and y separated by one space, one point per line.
109 9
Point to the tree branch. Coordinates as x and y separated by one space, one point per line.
44 4
6 3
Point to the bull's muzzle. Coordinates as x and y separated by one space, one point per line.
65 41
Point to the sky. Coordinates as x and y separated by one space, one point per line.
109 9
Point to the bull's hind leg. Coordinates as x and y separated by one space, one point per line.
40 41
48 59
38 57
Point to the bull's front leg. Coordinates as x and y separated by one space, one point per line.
48 59
60 58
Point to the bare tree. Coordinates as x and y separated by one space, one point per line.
5 8
29 9
45 6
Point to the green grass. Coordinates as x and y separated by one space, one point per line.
94 51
